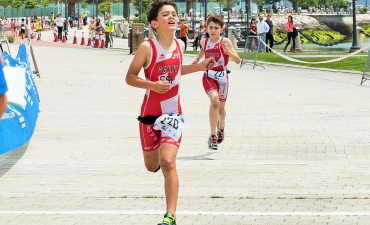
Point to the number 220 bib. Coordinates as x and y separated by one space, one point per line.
170 124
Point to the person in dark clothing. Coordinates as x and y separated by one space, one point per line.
270 33
252 34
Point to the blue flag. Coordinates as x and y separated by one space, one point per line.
18 123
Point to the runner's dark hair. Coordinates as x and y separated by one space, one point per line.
216 18
156 6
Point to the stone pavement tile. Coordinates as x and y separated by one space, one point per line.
296 141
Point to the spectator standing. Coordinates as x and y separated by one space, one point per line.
84 18
270 33
198 38
59 21
109 29
23 28
290 33
66 29
183 31
98 26
16 30
12 26
38 25
70 19
262 29
252 32
52 18
92 27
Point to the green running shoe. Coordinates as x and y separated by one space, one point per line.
168 219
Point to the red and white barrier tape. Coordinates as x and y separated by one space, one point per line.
320 62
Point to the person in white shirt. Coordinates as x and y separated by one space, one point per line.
59 21
262 29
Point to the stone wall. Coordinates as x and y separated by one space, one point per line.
321 22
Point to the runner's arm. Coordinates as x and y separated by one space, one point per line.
200 54
206 64
140 60
230 50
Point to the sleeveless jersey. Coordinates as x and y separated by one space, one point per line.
165 66
216 51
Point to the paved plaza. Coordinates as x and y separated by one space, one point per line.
296 149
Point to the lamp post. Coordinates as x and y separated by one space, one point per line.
228 16
354 41
65 9
205 10
97 8
140 11
78 17
247 5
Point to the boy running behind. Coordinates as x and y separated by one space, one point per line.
216 81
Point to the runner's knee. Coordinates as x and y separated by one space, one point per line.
215 103
167 164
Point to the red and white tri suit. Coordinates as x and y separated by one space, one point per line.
216 51
166 66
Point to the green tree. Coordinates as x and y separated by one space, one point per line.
5 4
17 4
84 4
105 7
144 7
30 4
44 3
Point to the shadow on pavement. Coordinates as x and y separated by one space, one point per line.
197 157
8 160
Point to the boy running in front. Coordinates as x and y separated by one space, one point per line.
216 80
160 117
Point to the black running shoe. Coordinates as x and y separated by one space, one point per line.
220 135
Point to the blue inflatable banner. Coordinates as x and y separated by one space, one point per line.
19 120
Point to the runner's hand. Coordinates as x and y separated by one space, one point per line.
161 87
225 46
208 63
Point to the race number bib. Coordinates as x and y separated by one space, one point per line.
170 124
220 76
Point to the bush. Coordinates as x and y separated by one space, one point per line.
10 38
362 10
274 9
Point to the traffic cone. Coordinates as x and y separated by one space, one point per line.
75 39
96 45
32 35
64 38
89 41
83 39
102 41
39 35
55 37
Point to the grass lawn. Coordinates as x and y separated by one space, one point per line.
351 63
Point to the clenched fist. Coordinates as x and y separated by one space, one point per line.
161 87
